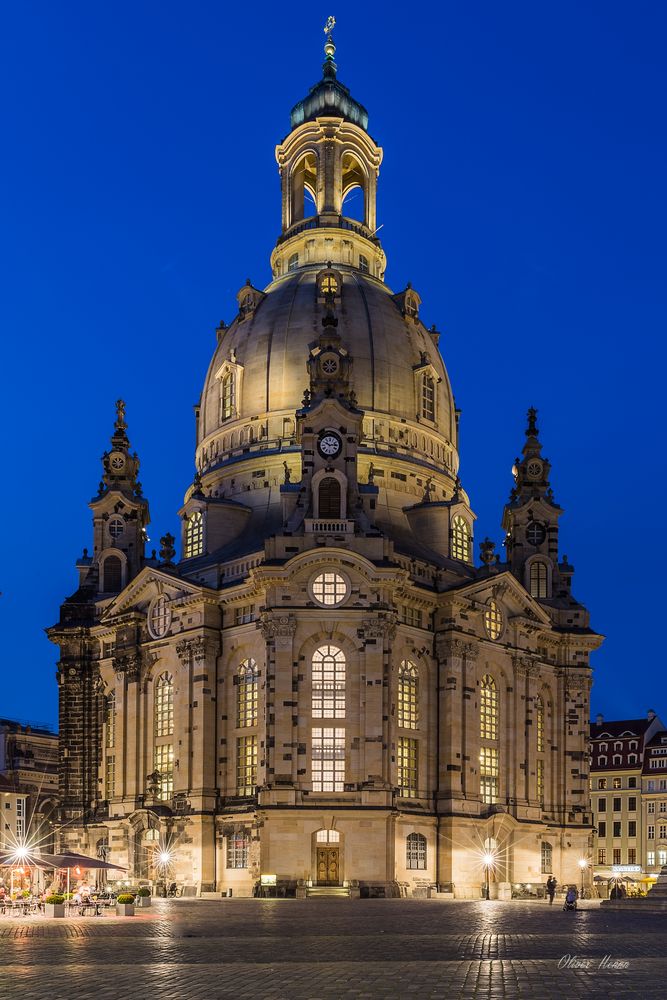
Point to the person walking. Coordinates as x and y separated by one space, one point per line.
551 888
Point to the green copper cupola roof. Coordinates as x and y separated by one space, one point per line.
329 96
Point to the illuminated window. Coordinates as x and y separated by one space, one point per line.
159 618
110 721
493 620
164 705
328 683
408 683
20 816
328 837
415 851
116 527
238 846
227 396
460 539
163 763
246 765
617 856
488 771
194 535
110 777
602 856
539 724
407 767
329 284
602 782
650 858
329 589
538 579
428 405
328 760
546 858
540 782
617 783
488 710
248 679
293 262
662 857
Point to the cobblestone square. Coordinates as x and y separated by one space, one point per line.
319 948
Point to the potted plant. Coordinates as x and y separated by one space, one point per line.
125 905
54 905
143 897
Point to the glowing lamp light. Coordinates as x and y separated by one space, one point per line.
488 860
77 870
583 863
164 857
20 853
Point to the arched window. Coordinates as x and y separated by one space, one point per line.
228 396
328 837
546 858
460 539
329 498
408 704
164 705
363 264
328 683
488 713
539 724
488 730
538 579
110 722
428 397
293 262
415 851
194 535
493 620
248 680
112 580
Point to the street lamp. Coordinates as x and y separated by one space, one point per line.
488 861
583 864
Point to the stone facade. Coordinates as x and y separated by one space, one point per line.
325 689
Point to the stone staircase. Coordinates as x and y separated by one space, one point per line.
327 892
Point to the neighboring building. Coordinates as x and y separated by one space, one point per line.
28 783
654 803
617 751
326 688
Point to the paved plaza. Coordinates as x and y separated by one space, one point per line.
320 948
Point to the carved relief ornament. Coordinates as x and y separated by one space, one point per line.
128 664
192 650
379 627
273 625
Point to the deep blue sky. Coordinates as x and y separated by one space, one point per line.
522 193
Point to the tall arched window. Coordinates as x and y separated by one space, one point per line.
539 724
164 705
328 683
460 539
415 851
488 730
408 704
329 498
538 579
112 575
546 858
488 715
228 396
248 679
194 535
428 397
110 721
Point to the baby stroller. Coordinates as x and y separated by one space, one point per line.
570 899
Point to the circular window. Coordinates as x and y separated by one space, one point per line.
330 365
329 589
493 620
534 470
116 527
159 617
535 533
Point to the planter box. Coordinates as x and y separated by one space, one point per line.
142 901
54 909
124 909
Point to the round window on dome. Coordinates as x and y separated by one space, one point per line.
159 617
493 620
329 589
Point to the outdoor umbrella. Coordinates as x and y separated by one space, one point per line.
70 860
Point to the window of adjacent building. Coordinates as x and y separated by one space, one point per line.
602 805
602 829
329 589
650 832
662 785
238 846
163 764
602 762
538 579
328 683
617 828
617 856
618 746
650 858
194 535
164 705
617 759
540 782
110 721
407 767
632 782
663 832
602 782
617 803
488 771
228 395
329 498
617 783
112 575
428 399
632 828
651 807
632 803
20 817
415 851
493 620
159 617
293 262
546 858
460 539
602 856
632 855
328 837
650 786
116 527
632 759
246 765
408 691
663 807
488 712
662 857
248 681
110 777
539 724
328 760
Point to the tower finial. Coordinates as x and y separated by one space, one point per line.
120 424
531 430
330 49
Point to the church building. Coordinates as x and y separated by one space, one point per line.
325 691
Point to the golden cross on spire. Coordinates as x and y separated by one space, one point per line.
329 26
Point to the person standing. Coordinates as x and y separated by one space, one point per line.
551 888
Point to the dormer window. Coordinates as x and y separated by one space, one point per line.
460 539
227 396
194 535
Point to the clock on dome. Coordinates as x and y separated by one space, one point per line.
329 445
117 461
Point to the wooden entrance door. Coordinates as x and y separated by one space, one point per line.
328 866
